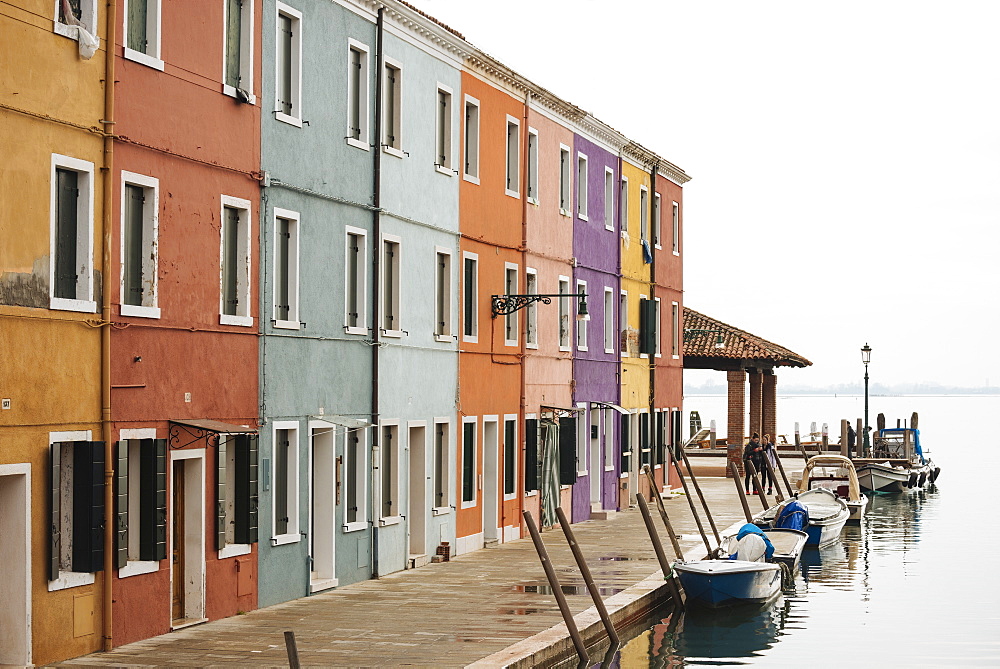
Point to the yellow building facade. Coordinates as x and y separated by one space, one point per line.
52 465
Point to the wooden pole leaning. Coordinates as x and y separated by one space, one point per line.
777 486
587 577
739 488
694 512
704 504
550 574
663 516
292 650
798 445
756 484
781 468
668 573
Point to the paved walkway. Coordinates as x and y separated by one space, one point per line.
446 614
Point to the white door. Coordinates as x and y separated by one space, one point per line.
15 556
322 494
418 508
491 479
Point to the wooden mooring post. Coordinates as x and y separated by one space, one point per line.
292 650
756 484
661 557
663 516
588 578
781 468
739 488
694 512
704 504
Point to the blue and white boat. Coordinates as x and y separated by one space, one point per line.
818 512
716 583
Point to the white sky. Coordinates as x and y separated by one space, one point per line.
845 161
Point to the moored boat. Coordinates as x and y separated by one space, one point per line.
837 474
787 543
897 464
716 583
826 516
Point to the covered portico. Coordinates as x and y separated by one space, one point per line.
745 358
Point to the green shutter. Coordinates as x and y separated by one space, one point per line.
137 21
67 195
647 327
626 445
468 462
246 493
132 248
285 64
509 457
153 499
121 504
221 463
567 451
88 506
234 38
55 523
531 454
644 438
230 260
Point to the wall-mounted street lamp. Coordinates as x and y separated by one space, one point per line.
866 357
692 333
502 305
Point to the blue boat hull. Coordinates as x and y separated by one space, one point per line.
716 583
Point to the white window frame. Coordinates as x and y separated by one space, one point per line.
88 17
511 323
564 311
512 418
623 205
657 228
291 536
70 579
295 68
524 438
675 225
397 113
513 161
675 330
531 166
243 317
444 465
446 117
445 333
293 321
531 311
609 199
84 302
582 439
656 325
474 337
581 324
150 251
357 467
135 567
643 213
565 180
360 97
361 279
470 151
231 549
582 178
475 462
246 51
397 305
608 431
623 322
154 24
609 320
396 486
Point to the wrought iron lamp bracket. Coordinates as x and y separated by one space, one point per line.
503 305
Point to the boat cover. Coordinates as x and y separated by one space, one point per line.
916 439
794 516
751 529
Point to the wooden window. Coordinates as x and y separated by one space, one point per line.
469 462
442 294
609 321
76 508
623 204
567 450
67 235
513 156
390 286
442 473
581 185
609 199
581 324
510 320
237 490
288 65
643 213
471 149
286 269
675 228
355 510
443 130
285 488
392 106
656 220
531 178
234 308
565 181
510 457
564 314
531 311
470 297
355 297
531 473
139 250
389 472
625 436
142 32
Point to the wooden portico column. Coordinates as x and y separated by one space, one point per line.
736 420
769 405
755 401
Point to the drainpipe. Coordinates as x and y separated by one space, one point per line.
652 296
107 168
376 267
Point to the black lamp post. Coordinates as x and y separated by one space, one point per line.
866 357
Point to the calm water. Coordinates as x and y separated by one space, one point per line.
916 584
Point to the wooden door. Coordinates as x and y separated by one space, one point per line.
177 550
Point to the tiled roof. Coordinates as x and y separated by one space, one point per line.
740 345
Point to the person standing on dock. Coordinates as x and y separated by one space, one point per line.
771 453
753 452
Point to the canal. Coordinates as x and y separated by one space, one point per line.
916 584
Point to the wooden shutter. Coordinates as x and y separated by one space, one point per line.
88 506
468 462
121 504
234 38
531 454
509 457
282 269
67 194
246 494
658 438
221 463
55 507
644 438
676 435
647 327
137 17
626 444
133 246
567 451
153 499
285 56
230 260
